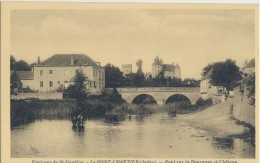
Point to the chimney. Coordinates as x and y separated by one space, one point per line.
38 60
72 61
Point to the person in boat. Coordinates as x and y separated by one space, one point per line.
77 118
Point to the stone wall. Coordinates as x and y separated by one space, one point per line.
242 110
43 96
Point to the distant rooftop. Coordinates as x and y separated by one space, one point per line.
68 60
168 67
25 75
251 64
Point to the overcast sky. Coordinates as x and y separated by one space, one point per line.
192 38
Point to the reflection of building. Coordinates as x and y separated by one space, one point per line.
169 70
127 69
57 72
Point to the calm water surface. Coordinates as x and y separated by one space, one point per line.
156 135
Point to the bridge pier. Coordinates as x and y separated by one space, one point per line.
160 102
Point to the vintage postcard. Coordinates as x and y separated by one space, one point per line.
129 83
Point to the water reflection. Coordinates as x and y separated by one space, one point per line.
114 118
157 135
78 129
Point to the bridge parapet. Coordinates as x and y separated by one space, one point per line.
158 89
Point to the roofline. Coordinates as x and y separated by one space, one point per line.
69 66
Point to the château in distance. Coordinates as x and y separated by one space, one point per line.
169 70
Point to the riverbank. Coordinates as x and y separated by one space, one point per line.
216 120
26 111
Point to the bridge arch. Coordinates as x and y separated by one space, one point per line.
178 98
144 99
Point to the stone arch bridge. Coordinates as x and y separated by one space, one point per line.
160 94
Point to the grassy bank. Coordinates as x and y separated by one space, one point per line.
25 111
173 108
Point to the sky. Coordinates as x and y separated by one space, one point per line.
190 37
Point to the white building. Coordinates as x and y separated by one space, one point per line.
57 72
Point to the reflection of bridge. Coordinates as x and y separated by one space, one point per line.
161 94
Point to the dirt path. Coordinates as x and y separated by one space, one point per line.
215 120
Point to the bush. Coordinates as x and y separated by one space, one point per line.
250 86
203 103
21 113
95 108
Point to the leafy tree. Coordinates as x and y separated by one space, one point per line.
176 82
138 80
12 62
206 69
113 76
19 66
250 83
139 64
78 89
190 82
225 74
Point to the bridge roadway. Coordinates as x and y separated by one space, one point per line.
160 94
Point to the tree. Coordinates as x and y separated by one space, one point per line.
78 89
139 64
190 82
225 74
250 86
206 69
19 66
12 62
113 76
138 80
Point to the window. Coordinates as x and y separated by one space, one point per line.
65 72
58 82
90 84
95 73
50 72
99 85
95 84
76 71
41 83
51 83
99 74
41 72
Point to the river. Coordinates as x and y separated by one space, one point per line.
156 135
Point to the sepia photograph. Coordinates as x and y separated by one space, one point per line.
130 80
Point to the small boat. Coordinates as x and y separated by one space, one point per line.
78 121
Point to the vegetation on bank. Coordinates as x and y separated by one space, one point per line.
109 103
25 111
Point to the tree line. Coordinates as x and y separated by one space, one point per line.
115 78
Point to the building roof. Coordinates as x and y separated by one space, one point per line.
168 67
251 64
25 75
14 78
58 60
208 75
